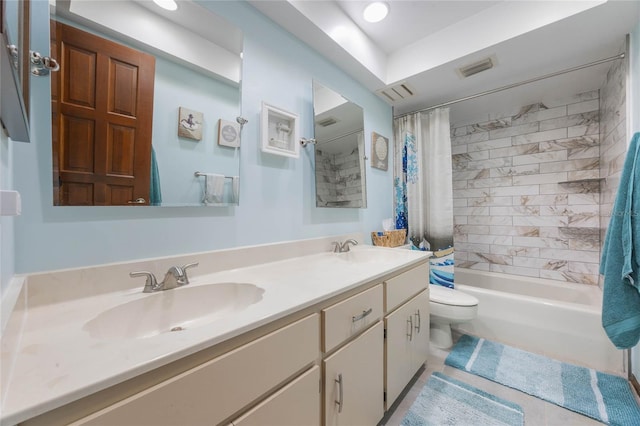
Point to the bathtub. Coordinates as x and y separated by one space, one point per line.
557 319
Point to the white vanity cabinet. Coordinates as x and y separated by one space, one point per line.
213 391
407 329
326 363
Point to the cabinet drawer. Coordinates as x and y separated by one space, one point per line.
351 316
297 404
213 391
406 285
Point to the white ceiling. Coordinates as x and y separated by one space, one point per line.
422 43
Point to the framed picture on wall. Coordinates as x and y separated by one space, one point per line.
190 123
228 133
379 151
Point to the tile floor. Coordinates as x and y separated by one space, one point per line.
536 411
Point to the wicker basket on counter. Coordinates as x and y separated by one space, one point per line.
393 238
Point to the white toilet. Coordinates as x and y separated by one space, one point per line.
448 306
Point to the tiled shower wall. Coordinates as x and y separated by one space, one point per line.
338 179
526 191
613 137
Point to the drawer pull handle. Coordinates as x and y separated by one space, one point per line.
418 325
410 322
339 401
362 315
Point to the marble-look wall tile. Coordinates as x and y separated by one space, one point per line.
514 130
584 106
543 136
540 114
582 119
490 220
531 148
540 178
489 144
614 138
528 169
571 165
541 200
518 217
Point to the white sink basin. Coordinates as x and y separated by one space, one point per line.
363 255
173 310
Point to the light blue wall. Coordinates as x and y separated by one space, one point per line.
276 193
634 72
178 158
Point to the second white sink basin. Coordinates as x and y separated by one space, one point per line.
173 310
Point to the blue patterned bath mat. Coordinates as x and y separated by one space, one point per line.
601 396
446 401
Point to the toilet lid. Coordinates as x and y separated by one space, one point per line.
448 296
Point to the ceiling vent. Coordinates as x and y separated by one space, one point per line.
326 122
476 67
397 92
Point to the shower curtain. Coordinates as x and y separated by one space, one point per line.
423 177
424 188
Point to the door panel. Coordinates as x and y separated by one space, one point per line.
103 121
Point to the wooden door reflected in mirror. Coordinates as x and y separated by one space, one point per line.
102 108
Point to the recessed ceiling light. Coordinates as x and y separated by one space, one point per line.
166 4
376 11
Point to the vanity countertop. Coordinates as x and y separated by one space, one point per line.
55 360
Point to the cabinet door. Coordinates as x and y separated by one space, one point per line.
353 391
407 344
297 404
419 307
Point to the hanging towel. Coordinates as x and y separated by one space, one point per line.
235 188
155 195
621 257
213 188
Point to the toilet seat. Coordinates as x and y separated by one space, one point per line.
449 296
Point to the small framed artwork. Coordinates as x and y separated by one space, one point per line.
379 151
190 124
279 131
228 133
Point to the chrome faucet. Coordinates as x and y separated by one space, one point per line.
344 247
176 276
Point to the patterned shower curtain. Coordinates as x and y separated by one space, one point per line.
423 186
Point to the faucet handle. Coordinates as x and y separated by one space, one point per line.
337 248
184 271
151 284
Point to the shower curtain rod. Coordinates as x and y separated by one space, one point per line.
511 86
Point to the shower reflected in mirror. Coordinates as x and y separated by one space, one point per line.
339 150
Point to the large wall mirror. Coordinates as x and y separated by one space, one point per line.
146 105
15 68
339 150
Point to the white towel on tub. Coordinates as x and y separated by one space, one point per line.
213 188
